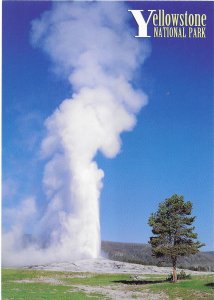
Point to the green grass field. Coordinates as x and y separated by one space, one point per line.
36 284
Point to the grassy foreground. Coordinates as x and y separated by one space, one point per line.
36 284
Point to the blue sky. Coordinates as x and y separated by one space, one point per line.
169 151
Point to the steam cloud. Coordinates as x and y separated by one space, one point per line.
93 46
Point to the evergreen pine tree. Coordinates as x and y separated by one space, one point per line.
173 234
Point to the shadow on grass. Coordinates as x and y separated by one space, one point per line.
211 284
138 282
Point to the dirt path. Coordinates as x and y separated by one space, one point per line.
114 292
119 292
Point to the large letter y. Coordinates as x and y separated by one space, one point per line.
142 24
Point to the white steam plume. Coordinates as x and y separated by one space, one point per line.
93 46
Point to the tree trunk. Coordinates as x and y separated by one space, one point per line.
174 271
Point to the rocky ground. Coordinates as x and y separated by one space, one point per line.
103 265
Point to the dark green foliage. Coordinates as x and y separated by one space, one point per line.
182 275
171 227
173 234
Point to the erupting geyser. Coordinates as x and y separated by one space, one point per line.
93 45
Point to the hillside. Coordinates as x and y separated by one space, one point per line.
141 254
